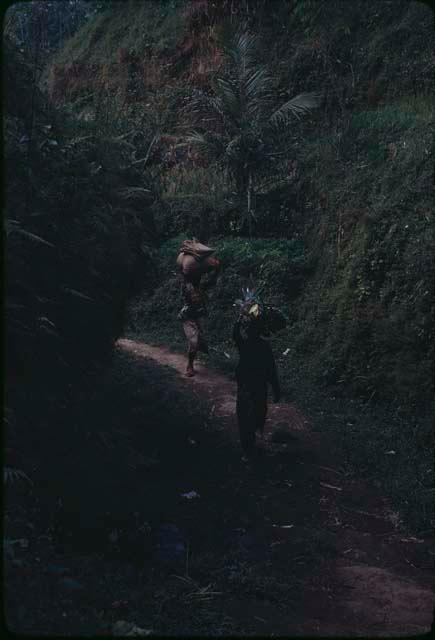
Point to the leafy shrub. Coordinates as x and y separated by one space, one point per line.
76 240
275 265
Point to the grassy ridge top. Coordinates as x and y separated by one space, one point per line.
132 25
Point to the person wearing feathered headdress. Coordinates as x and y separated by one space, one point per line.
256 367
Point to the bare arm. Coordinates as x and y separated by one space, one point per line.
212 273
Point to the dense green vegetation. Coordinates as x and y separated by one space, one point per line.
296 138
363 428
342 222
244 127
77 227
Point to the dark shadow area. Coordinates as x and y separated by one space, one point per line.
106 508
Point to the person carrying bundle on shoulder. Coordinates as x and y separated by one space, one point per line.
195 260
256 368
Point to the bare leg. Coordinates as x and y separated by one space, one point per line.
191 330
190 371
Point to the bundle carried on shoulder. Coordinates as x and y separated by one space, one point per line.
196 249
193 257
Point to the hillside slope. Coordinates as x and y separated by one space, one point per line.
345 238
359 190
73 244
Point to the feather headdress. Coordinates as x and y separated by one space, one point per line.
252 309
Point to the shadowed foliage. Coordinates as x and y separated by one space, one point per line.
77 226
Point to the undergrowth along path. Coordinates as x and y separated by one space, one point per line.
361 574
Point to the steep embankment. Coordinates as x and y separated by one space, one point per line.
358 192
74 243
356 198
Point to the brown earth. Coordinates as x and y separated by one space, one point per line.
380 580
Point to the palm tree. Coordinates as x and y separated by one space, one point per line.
240 123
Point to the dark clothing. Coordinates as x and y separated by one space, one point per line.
251 410
256 368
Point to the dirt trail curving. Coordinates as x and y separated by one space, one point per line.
369 578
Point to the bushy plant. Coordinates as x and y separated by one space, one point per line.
242 125
274 265
77 225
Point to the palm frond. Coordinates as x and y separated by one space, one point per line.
206 105
297 106
257 83
243 51
230 97
212 144
197 139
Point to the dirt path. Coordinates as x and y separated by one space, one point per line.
361 575
141 515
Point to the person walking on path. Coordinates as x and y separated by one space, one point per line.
195 261
255 370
